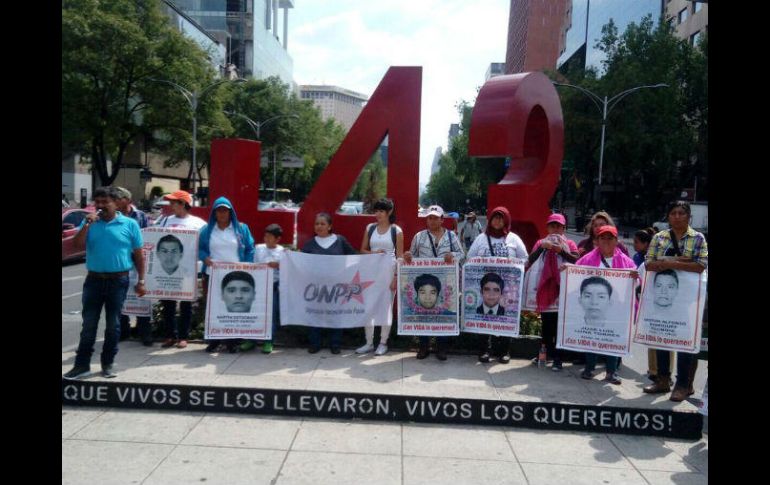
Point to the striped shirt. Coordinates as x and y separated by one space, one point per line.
449 243
692 245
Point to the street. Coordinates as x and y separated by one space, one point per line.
72 277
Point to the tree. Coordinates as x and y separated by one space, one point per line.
110 50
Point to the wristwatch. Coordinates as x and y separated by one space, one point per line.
140 282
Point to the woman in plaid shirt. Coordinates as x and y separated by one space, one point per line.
680 248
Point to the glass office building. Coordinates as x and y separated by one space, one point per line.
587 19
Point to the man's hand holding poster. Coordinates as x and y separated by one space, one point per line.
428 293
671 310
335 291
133 304
492 296
240 301
596 310
172 263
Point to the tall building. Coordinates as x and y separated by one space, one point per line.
341 104
690 20
536 34
435 166
494 69
585 27
216 50
454 132
250 31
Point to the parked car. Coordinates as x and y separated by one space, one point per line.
70 220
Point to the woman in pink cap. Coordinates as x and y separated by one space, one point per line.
548 254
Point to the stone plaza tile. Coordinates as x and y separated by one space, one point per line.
106 463
145 375
441 471
650 453
457 370
354 366
440 389
566 448
191 359
354 385
314 468
213 466
695 453
468 442
227 430
167 427
288 362
544 474
675 478
74 419
349 437
293 383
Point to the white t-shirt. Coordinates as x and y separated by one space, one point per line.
263 254
511 246
223 245
383 241
326 242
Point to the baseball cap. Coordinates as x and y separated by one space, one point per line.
435 210
607 229
556 218
179 195
221 204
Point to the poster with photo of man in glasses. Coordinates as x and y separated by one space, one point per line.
172 263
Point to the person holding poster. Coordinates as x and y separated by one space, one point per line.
683 249
384 236
225 240
595 294
598 220
326 242
548 255
177 331
113 244
497 241
143 324
434 242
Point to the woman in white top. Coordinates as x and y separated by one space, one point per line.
497 241
384 236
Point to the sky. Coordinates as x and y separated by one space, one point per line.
351 44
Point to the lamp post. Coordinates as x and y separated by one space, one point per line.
257 127
193 97
605 105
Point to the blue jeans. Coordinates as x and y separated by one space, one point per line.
276 311
97 292
611 364
335 337
441 342
143 324
180 330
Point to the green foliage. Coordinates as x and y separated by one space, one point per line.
110 50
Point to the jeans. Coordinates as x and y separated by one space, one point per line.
276 311
686 365
142 324
550 320
611 362
441 342
180 330
335 337
495 345
97 292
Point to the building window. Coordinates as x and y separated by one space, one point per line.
671 22
694 38
682 15
697 7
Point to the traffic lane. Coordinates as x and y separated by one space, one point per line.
72 278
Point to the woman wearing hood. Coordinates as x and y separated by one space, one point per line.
224 239
497 241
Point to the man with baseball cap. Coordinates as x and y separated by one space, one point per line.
470 231
181 202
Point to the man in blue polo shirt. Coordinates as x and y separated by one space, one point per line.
113 245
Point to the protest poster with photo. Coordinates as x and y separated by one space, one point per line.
596 310
134 305
172 263
428 294
239 302
671 310
492 295
335 291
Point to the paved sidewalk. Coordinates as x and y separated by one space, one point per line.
101 445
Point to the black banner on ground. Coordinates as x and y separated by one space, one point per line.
347 405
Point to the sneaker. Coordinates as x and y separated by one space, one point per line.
77 372
556 366
612 378
382 349
484 357
108 371
212 347
248 345
440 354
267 347
168 343
504 359
587 375
365 349
313 350
422 353
336 350
181 344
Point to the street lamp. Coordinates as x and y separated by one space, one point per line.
605 105
257 127
192 98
